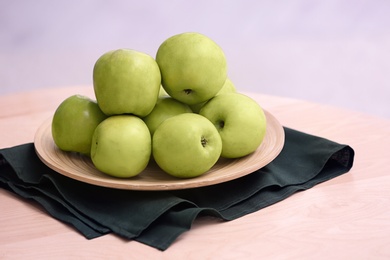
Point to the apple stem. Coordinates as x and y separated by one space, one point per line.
203 141
188 91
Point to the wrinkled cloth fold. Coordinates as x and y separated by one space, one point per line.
157 218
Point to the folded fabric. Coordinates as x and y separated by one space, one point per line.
157 218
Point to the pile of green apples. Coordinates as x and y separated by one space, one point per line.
179 109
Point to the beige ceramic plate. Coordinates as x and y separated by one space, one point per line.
80 167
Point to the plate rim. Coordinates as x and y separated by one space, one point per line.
176 184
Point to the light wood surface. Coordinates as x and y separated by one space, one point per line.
346 217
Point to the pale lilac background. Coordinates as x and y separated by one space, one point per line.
335 52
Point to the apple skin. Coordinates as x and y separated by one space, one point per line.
74 123
193 67
186 145
162 92
240 120
228 87
121 146
165 108
126 82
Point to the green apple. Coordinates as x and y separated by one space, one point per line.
193 67
165 108
126 82
228 87
162 92
186 145
74 123
121 146
240 120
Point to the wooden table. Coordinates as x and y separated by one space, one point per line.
348 216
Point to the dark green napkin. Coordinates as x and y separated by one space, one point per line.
157 218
